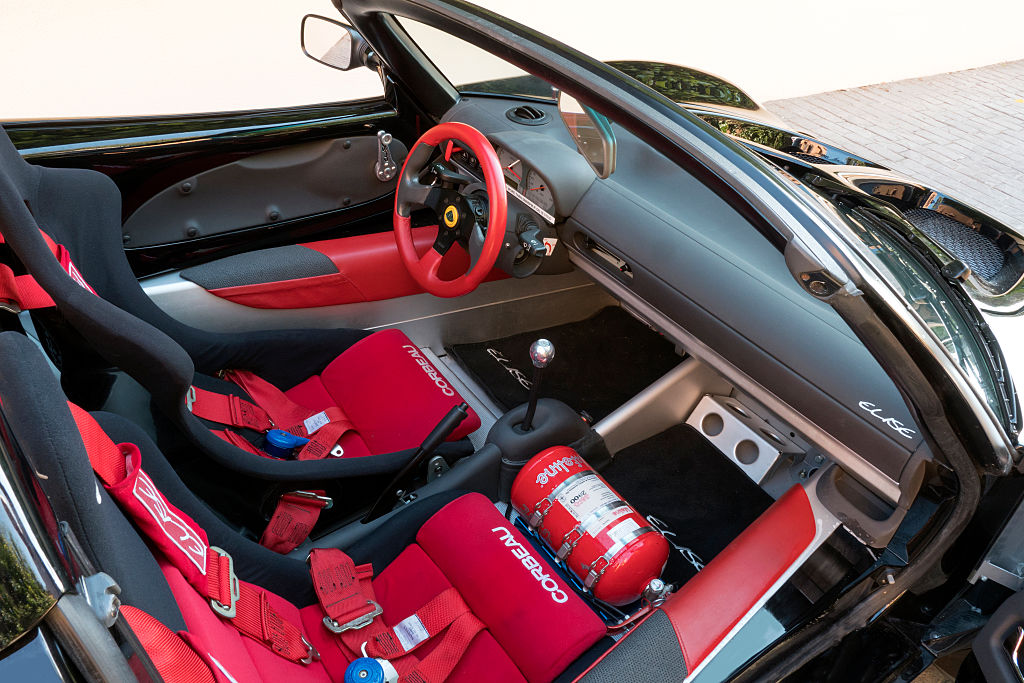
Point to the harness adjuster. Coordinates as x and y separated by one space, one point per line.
190 398
362 621
326 502
312 654
228 611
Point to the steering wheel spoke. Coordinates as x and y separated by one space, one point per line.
445 239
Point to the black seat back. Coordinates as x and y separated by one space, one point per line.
41 426
81 210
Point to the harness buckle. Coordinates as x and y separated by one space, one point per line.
220 608
190 398
326 502
362 621
10 306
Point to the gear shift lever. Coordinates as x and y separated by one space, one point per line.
542 352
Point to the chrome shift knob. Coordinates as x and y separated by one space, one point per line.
542 352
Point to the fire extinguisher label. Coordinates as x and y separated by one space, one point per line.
585 495
606 519
622 530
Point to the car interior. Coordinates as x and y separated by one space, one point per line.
361 340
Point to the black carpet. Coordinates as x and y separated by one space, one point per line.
693 490
600 363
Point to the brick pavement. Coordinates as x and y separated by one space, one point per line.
960 132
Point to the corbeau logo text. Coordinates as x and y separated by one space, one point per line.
429 369
532 565
560 465
180 533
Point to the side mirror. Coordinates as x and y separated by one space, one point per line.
333 43
592 132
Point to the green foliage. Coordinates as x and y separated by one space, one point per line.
682 84
23 601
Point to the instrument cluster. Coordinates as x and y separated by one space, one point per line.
522 182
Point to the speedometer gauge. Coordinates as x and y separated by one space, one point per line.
538 192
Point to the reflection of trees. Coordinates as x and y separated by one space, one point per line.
22 599
681 84
762 135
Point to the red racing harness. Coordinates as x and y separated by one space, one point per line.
344 590
22 292
296 512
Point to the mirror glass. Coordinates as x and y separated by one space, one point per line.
592 133
328 42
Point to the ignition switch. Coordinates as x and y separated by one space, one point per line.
529 236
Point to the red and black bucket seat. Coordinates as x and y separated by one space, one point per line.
520 621
62 235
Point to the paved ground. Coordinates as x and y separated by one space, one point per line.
962 132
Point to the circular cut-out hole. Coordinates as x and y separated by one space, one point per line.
747 452
734 407
772 436
712 424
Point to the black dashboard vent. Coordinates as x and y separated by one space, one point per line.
527 115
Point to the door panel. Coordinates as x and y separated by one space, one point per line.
326 273
146 156
284 184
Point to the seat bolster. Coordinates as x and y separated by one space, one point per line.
532 613
709 605
391 392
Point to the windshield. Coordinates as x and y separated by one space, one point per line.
931 303
471 69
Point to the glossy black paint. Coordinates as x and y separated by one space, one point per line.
36 658
145 155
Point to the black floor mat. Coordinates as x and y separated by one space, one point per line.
701 500
600 363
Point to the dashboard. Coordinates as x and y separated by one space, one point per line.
655 236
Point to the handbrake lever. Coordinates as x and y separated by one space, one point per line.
435 438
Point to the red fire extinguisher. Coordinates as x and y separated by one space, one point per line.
607 544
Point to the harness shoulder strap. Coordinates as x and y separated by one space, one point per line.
23 293
208 569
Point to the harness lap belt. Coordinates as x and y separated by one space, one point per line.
22 292
345 591
296 513
347 598
270 409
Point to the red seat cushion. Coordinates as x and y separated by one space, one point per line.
391 393
532 613
535 625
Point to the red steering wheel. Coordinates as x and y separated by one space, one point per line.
463 216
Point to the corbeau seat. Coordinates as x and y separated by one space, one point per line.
352 392
462 595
